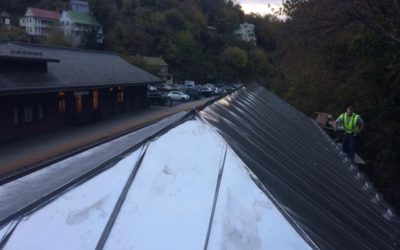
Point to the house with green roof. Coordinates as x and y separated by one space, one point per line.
158 66
76 24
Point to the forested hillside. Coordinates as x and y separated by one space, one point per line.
177 31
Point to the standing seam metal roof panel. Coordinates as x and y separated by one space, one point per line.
305 171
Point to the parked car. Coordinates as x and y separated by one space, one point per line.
189 83
194 93
178 96
157 98
165 87
226 89
214 89
206 92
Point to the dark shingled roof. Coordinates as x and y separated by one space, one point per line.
77 69
4 14
9 51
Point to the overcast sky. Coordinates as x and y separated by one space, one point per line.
259 6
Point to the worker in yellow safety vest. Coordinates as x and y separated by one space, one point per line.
352 125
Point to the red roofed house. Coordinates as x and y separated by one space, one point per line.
38 22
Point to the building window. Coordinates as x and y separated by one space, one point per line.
95 99
78 103
15 115
40 112
28 114
120 95
61 102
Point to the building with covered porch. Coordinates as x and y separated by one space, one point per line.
45 88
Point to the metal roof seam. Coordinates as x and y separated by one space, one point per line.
121 199
10 231
217 188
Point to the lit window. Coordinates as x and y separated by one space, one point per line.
61 105
61 102
28 113
15 115
95 99
120 95
78 103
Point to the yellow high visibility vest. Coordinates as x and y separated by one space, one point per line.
350 125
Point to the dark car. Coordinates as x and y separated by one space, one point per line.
226 89
192 92
206 92
157 98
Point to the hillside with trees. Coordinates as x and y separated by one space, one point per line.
178 31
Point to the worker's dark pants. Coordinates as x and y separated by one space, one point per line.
349 145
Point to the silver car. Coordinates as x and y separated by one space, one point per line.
178 96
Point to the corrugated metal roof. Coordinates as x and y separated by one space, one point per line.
247 172
305 171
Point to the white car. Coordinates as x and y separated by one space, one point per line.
178 96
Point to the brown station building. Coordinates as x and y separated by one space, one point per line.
44 88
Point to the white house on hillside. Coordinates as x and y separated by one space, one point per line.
4 18
246 32
38 22
76 24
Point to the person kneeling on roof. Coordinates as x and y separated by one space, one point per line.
352 124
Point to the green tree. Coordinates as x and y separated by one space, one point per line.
56 37
14 33
233 62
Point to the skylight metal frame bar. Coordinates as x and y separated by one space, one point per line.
217 188
121 199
